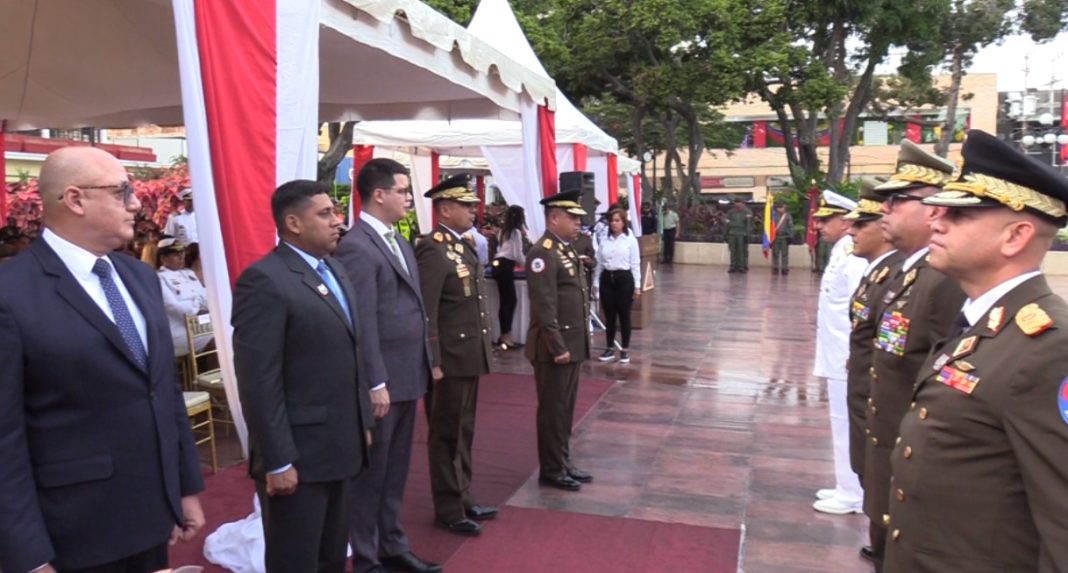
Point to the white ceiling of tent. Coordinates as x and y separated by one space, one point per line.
114 63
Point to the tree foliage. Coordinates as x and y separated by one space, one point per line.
1044 19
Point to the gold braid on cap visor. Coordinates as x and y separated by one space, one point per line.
454 193
1013 196
919 174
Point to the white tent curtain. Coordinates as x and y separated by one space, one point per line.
422 181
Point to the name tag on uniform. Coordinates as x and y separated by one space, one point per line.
957 379
893 333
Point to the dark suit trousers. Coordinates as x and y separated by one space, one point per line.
557 386
147 561
378 492
305 531
452 429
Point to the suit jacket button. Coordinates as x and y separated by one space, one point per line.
923 413
896 534
912 406
484 331
875 441
900 495
886 519
462 335
897 440
908 452
151 395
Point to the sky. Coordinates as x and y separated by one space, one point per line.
1019 63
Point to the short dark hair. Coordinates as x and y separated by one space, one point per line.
293 195
377 173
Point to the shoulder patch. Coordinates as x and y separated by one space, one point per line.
438 237
1062 400
537 265
1032 320
547 244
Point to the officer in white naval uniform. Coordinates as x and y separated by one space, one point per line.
182 294
840 280
183 226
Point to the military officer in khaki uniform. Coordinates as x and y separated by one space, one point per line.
870 244
915 312
980 473
558 339
454 295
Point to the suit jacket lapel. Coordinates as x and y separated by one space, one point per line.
311 279
350 296
70 290
390 256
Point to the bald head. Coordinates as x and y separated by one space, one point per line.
81 191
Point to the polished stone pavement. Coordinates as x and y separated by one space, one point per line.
718 421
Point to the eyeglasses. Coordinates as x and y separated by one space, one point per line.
125 190
900 198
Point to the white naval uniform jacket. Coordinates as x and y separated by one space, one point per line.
840 279
182 295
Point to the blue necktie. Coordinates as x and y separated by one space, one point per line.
121 312
331 283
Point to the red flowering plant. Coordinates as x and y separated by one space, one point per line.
156 189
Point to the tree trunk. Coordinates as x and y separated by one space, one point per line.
950 125
839 153
340 135
670 125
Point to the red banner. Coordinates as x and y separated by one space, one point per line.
361 154
637 194
1064 124
581 151
613 179
760 134
547 150
480 190
913 131
435 178
3 178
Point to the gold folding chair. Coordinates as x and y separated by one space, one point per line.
198 408
208 380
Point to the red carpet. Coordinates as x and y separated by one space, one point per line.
538 540
505 455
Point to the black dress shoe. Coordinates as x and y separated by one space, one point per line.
462 527
579 475
409 562
563 482
481 512
867 553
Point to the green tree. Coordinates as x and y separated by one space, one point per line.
1044 19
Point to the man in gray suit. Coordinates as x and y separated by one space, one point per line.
302 385
393 337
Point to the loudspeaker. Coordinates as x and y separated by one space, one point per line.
583 180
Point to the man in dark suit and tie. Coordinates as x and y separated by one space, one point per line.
98 469
301 382
393 332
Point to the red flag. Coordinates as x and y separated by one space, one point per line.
811 235
1064 125
3 178
361 154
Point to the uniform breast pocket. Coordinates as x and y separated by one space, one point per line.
893 333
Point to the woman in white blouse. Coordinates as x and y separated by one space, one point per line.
509 254
617 282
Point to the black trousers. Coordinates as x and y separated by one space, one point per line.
504 274
306 530
669 245
617 298
147 561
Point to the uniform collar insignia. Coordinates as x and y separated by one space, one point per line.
910 277
995 318
965 346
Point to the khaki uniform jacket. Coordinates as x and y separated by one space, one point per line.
916 312
454 295
981 472
864 320
559 302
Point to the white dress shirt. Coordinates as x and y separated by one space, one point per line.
619 253
914 258
511 247
975 309
183 296
80 264
840 280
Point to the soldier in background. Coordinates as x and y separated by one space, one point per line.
558 339
454 295
739 220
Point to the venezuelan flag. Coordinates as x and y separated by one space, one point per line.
769 226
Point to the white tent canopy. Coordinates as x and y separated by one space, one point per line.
500 141
114 63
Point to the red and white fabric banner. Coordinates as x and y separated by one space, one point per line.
634 203
3 176
361 154
547 151
250 92
612 175
581 152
